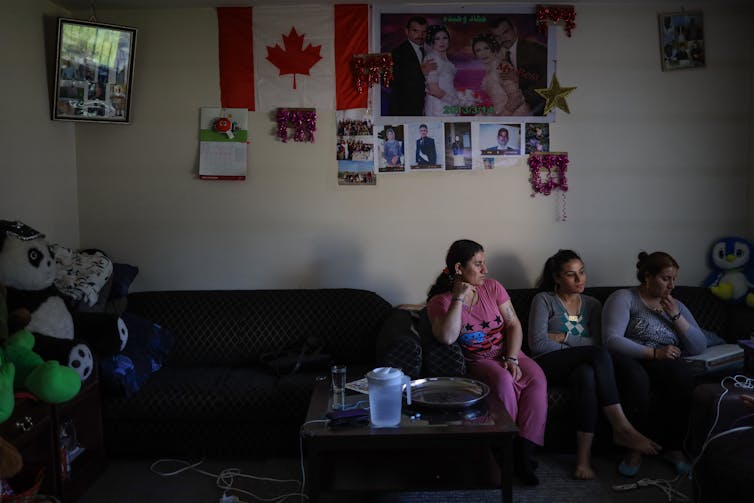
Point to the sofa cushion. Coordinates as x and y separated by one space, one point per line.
123 276
444 360
145 353
406 342
398 343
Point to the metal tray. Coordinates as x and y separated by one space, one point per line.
447 391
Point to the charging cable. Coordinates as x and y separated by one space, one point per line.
739 381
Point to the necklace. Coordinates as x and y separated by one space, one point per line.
574 318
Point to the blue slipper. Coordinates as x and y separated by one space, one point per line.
681 467
628 470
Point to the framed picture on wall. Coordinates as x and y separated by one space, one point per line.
455 63
681 40
94 72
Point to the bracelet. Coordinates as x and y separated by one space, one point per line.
459 299
675 318
511 359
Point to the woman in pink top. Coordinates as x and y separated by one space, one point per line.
465 306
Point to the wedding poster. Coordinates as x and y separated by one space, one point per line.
458 63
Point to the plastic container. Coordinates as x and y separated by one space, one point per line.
386 395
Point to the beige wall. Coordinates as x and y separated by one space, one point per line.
658 161
38 182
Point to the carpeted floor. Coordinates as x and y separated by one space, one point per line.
132 481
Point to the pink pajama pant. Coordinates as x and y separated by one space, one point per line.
525 399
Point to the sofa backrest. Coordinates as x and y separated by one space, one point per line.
236 327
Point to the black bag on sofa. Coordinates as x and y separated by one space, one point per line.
310 355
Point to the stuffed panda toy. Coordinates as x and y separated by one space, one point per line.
732 278
28 270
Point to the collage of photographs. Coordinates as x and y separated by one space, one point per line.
364 150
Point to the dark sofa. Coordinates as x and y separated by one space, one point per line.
214 395
406 342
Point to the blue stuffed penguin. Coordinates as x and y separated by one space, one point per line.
733 277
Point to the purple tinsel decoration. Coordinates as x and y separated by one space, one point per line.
304 123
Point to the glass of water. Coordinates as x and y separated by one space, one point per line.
338 387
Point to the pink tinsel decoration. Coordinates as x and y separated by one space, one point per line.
554 165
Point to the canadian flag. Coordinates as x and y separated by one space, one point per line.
292 56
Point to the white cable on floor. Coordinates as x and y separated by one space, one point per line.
225 480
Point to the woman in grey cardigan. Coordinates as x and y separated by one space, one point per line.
651 330
564 326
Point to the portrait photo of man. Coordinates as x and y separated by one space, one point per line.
426 153
505 143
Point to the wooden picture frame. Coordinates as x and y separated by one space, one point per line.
681 40
93 72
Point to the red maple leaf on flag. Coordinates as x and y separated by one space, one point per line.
294 58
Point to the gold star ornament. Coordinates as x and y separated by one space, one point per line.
555 95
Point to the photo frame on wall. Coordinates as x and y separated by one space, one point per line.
483 63
93 72
681 40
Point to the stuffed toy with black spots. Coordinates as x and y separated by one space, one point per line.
28 270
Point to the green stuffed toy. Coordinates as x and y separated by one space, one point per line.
21 367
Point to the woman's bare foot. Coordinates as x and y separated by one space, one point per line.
583 472
632 439
583 469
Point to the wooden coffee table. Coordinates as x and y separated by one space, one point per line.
431 450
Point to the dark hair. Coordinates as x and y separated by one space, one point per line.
488 38
415 19
434 30
461 251
553 266
653 263
498 21
389 130
503 129
423 126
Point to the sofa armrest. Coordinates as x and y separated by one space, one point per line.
398 345
439 359
740 323
405 341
